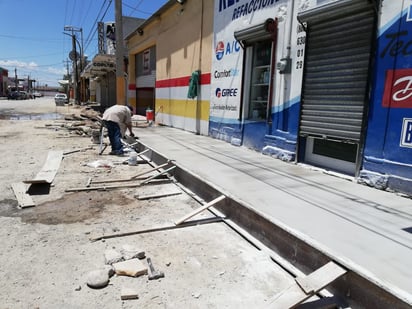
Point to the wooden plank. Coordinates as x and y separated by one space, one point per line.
128 293
151 170
103 188
320 277
160 228
313 283
23 198
158 175
289 298
135 177
77 150
159 195
49 169
199 210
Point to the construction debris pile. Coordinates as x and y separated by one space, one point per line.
127 262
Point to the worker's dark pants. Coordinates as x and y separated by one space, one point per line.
115 136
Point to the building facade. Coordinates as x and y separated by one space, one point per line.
100 73
166 53
3 82
323 82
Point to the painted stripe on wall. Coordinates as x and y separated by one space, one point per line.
183 108
182 81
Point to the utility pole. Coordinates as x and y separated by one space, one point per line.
76 77
66 88
75 59
16 82
67 66
120 76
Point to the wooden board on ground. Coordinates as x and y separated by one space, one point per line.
306 287
157 191
23 198
158 195
199 210
49 169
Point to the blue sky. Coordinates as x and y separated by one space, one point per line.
32 39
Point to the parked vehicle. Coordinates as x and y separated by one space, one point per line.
61 99
24 95
17 95
37 94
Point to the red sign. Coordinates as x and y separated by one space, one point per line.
398 89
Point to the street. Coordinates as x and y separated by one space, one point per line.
47 252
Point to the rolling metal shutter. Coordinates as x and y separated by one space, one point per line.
338 47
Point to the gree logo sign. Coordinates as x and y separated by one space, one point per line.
398 89
406 136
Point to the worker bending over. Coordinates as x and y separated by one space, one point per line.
116 119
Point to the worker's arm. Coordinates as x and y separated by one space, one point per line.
129 126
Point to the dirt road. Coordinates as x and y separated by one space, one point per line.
46 252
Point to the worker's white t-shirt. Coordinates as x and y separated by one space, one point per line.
120 114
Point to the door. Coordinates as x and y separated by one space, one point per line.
259 44
339 42
257 108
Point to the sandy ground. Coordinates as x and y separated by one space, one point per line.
46 251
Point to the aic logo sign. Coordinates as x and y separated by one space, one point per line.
226 49
398 89
230 92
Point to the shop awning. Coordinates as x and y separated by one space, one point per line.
64 82
263 31
100 65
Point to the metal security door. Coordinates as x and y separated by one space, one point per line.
338 48
335 84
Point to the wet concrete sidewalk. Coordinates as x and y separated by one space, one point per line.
367 230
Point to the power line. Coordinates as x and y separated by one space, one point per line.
94 28
28 38
33 56
136 8
87 12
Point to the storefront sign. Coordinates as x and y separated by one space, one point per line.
398 89
249 7
406 136
409 15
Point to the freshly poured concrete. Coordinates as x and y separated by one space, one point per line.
361 227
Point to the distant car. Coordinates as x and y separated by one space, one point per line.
24 95
37 94
61 99
18 95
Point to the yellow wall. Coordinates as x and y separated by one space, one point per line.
183 38
184 108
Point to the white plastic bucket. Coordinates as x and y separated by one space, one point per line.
132 158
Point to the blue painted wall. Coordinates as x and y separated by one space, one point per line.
388 146
277 138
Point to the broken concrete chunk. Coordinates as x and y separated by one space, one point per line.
97 279
131 252
112 256
128 293
132 268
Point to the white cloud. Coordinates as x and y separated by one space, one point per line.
58 71
18 64
44 75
